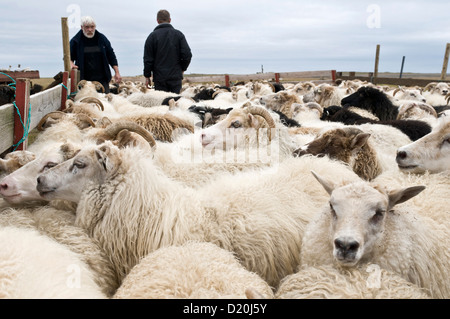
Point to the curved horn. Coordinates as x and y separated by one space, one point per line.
112 130
85 121
396 91
257 110
98 85
403 109
91 99
428 108
429 86
215 94
53 115
69 104
81 84
447 98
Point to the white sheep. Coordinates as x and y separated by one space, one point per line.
58 225
413 110
150 98
194 270
436 93
366 222
248 213
33 266
367 281
402 95
327 95
429 153
250 125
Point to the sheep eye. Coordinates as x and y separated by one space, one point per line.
236 124
378 216
79 165
48 166
447 140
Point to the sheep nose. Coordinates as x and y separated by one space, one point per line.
3 186
346 245
444 92
39 180
401 155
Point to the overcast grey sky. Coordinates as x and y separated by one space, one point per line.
237 37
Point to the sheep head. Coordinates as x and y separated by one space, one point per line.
239 122
349 145
69 179
81 120
357 214
429 153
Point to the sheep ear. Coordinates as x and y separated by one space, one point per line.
253 120
402 195
328 185
103 157
360 140
3 164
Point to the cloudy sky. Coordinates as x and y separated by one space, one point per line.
239 37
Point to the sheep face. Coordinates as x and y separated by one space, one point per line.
69 179
441 88
281 101
235 129
429 153
340 144
20 185
409 94
358 214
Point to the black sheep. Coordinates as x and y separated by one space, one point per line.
203 95
328 112
374 101
6 94
278 86
441 108
286 121
414 129
167 99
209 115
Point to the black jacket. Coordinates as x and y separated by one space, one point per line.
77 53
166 54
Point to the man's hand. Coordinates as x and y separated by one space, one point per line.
73 66
148 83
117 77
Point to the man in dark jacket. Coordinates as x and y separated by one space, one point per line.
92 53
166 55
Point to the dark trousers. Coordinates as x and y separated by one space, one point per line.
173 86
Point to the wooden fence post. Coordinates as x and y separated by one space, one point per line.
74 75
227 80
21 113
333 75
277 77
64 91
377 60
445 64
66 44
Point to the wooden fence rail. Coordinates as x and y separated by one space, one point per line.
19 118
276 77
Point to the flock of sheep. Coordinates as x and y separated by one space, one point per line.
259 190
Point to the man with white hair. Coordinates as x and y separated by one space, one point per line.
92 53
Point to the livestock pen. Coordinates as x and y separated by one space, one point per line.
19 118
